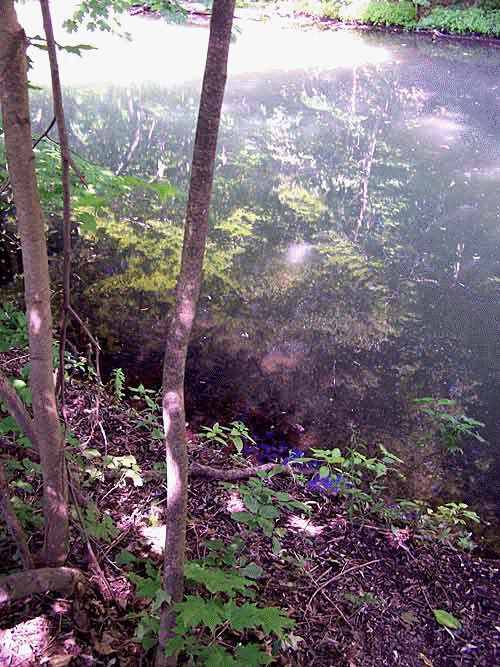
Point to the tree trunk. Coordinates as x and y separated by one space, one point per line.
31 226
187 291
64 148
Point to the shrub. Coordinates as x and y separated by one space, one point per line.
391 13
462 21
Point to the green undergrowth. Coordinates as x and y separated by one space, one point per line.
416 15
224 618
469 20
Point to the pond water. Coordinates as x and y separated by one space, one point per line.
353 264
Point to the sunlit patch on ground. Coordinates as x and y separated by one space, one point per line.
24 643
305 525
235 503
154 536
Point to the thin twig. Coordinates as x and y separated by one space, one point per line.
338 576
104 586
44 134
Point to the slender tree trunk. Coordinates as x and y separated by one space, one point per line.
31 226
187 292
65 160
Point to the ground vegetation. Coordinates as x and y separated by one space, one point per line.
302 563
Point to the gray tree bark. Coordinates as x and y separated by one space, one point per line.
31 226
187 292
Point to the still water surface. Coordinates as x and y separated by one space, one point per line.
354 257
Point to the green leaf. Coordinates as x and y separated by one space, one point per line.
244 517
251 503
282 496
8 424
248 616
195 611
216 656
215 579
446 619
164 190
252 655
238 443
71 440
241 617
269 511
145 587
77 48
125 557
267 526
22 485
252 571
272 619
324 471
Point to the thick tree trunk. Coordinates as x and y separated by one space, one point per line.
31 226
188 288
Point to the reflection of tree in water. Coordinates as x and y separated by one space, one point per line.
353 205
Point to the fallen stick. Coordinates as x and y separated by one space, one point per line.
29 582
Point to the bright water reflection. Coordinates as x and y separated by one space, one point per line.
173 54
353 262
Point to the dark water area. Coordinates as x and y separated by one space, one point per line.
353 263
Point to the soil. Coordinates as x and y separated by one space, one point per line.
361 594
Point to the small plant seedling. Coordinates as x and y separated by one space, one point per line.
13 328
263 506
118 382
146 395
452 428
235 434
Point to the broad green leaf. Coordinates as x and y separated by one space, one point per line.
272 619
245 517
145 587
269 511
267 526
446 619
125 557
77 48
248 616
276 546
282 496
251 503
22 485
216 656
8 424
89 224
215 579
241 617
252 655
197 611
164 190
252 571
18 383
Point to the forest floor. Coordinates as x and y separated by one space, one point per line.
361 594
